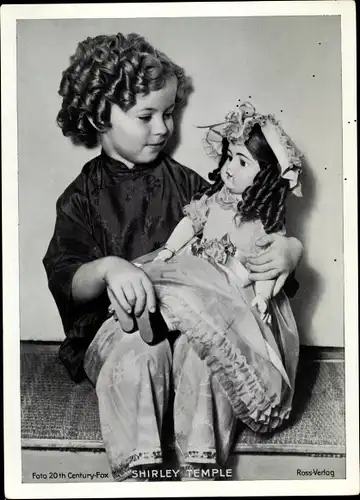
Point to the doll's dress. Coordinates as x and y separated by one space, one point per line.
209 302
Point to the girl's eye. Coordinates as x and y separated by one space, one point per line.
168 115
146 118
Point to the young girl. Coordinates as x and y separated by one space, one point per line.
120 92
247 338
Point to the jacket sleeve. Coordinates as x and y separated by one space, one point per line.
71 246
291 285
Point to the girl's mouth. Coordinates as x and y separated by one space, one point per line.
158 144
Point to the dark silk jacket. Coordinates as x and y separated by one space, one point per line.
110 209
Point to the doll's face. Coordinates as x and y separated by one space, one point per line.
239 171
139 134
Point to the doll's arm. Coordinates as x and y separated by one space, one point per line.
181 235
196 213
265 288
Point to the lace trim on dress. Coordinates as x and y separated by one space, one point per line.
245 390
197 211
227 200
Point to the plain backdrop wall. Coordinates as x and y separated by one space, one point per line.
290 66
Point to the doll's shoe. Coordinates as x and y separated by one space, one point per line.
152 327
127 322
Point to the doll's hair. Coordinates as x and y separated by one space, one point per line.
215 174
108 70
265 198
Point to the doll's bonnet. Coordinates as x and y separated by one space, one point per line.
237 127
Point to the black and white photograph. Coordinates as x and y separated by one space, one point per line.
180 257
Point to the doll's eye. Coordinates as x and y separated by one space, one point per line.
242 162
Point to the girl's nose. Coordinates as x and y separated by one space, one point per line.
160 127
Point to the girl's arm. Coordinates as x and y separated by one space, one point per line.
88 282
181 235
128 285
280 258
266 288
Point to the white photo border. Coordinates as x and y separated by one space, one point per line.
14 488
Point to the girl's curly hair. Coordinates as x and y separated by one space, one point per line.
108 70
265 198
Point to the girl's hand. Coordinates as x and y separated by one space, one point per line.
164 255
277 261
129 287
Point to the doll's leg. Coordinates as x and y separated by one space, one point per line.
132 385
203 418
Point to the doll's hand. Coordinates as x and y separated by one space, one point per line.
277 261
262 306
260 303
129 289
164 255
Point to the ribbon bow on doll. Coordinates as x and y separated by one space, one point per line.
237 127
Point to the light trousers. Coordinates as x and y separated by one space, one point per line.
133 383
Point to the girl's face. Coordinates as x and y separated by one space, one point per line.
139 134
239 171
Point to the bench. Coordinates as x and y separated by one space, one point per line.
60 429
